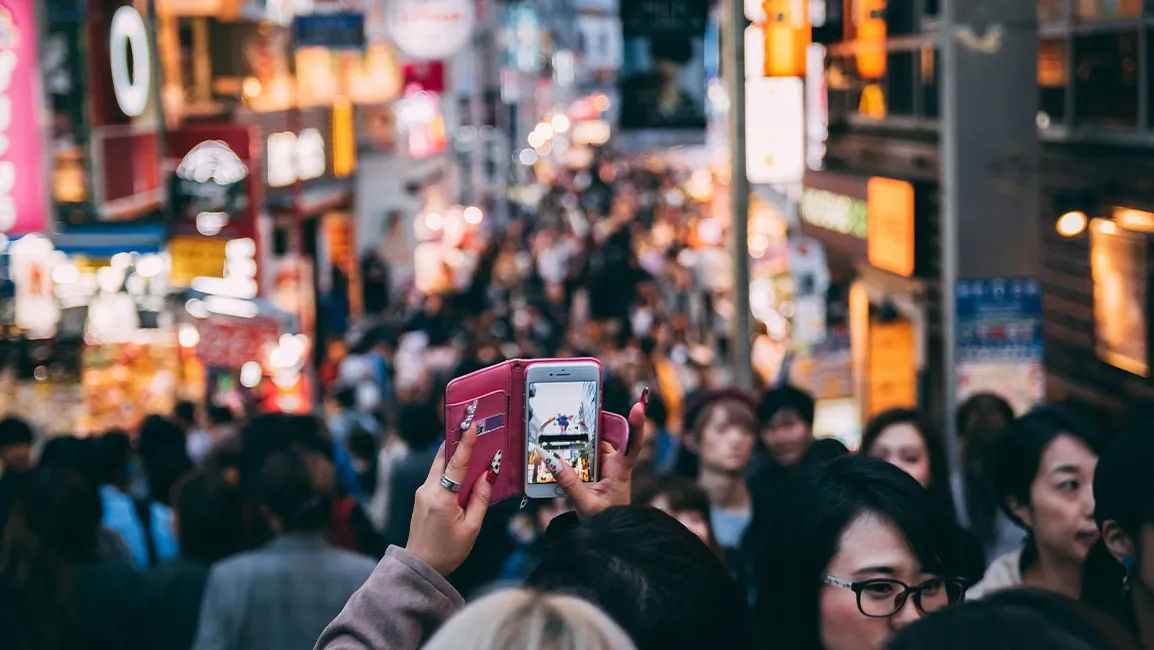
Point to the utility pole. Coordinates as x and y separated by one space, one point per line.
741 347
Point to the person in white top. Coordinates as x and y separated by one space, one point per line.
1044 475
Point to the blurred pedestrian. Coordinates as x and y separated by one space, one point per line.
56 589
1044 474
144 525
982 420
162 449
418 430
282 595
221 425
209 519
15 463
859 553
528 620
1120 571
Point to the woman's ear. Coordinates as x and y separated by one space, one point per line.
1021 511
1117 541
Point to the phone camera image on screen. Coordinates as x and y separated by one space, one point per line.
562 419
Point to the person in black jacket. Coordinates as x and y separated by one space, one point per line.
56 590
210 525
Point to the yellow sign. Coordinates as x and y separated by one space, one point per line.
869 16
873 102
891 225
787 37
892 375
195 257
344 139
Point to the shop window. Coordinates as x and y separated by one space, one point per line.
1053 81
1106 80
1107 9
1051 11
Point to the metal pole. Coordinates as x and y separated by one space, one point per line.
479 55
734 62
949 226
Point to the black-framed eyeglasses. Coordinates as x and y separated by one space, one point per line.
884 597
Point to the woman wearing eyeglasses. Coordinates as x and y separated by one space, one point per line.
858 554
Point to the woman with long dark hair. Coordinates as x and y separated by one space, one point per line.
1044 475
901 438
56 591
860 553
981 421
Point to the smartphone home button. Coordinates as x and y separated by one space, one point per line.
559 491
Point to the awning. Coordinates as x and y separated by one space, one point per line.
106 240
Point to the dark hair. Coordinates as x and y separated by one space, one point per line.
346 397
115 452
982 421
418 424
651 575
184 413
210 517
657 412
297 488
815 509
78 454
824 450
678 49
1026 440
682 494
14 431
54 526
1013 619
163 455
784 398
939 486
220 415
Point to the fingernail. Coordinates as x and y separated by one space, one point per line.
645 398
470 411
490 476
495 466
550 459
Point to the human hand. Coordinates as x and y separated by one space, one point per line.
616 478
441 533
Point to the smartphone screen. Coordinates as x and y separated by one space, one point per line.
562 418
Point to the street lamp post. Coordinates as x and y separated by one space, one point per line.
734 61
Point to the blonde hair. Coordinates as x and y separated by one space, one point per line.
521 619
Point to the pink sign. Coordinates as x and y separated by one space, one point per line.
23 201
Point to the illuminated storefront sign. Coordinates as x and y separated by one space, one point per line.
131 84
23 205
293 157
891 225
836 212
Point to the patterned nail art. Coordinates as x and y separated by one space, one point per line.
469 413
496 464
550 459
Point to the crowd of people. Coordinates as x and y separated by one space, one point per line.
722 522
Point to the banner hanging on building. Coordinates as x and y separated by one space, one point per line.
1000 340
663 72
23 204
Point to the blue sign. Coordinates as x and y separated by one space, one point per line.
999 321
337 31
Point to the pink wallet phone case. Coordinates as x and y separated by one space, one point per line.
499 392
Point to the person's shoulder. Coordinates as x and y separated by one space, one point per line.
352 564
1004 573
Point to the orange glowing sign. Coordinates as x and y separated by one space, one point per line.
869 18
787 37
891 225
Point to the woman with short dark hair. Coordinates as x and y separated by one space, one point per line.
859 553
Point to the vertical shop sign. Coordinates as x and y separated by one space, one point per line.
891 225
787 35
816 108
23 205
775 137
663 71
32 263
1000 340
1119 264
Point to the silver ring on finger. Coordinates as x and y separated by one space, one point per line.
449 484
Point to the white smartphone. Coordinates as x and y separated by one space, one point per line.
562 411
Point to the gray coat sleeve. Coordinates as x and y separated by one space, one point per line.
399 607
